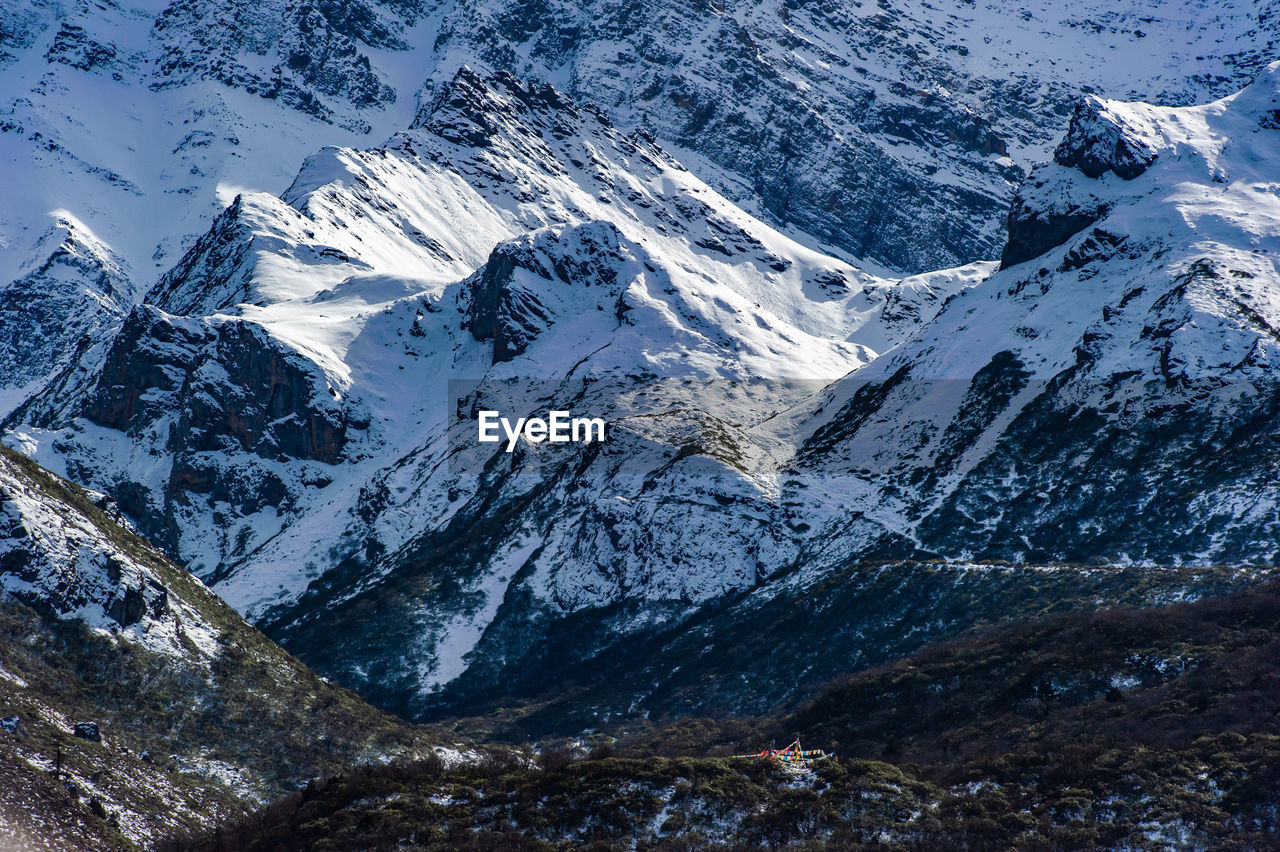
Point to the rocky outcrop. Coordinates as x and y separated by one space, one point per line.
128 676
73 46
1053 205
222 385
213 274
1100 141
1033 230
61 564
512 311
87 731
201 390
72 299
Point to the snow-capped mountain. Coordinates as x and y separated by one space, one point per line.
293 415
126 127
893 132
1111 393
294 436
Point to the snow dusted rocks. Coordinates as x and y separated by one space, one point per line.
313 57
1114 397
521 290
1105 137
893 131
61 561
59 308
1101 141
135 681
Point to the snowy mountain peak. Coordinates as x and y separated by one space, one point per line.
1117 153
1111 392
283 418
71 292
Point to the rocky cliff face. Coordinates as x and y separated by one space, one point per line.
198 393
313 57
513 312
895 131
64 565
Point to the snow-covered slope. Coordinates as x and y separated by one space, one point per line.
125 127
292 411
894 132
306 434
65 565
1113 392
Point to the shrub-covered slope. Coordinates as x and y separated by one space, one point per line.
196 716
1138 729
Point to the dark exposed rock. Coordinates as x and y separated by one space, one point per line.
1050 207
1099 142
212 387
846 144
87 731
263 399
1032 232
75 296
73 46
128 609
472 109
509 311
212 274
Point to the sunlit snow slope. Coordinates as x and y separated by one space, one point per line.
302 434
1112 392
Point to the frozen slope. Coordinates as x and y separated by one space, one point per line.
1112 393
893 132
293 413
124 128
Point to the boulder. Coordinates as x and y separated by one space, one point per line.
87 731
